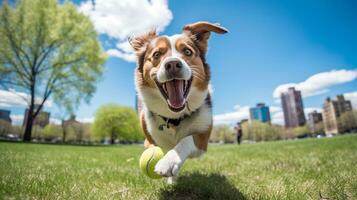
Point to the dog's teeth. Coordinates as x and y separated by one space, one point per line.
164 87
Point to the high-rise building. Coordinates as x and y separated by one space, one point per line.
42 119
5 115
260 113
315 121
138 103
293 108
332 110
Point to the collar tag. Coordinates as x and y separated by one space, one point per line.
167 129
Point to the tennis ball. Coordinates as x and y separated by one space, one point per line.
148 160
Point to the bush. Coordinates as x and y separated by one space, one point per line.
5 127
223 133
258 131
117 122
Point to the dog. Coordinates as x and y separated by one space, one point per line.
172 80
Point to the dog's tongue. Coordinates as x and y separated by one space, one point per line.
175 92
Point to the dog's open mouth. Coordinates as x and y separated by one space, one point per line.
175 93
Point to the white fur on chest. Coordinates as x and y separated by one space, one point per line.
199 122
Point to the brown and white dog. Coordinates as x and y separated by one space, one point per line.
172 81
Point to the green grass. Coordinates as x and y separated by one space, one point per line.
273 170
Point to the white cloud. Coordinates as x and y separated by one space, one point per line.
318 83
82 120
277 117
241 112
13 98
55 121
130 57
274 109
86 120
311 109
124 18
352 96
17 119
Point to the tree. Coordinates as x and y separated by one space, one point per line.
17 130
348 120
259 131
116 122
223 133
48 50
5 127
52 131
317 128
301 130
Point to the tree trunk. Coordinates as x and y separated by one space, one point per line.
28 128
30 114
64 133
29 123
112 138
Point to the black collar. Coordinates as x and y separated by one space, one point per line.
174 122
170 121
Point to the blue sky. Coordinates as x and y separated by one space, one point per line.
269 44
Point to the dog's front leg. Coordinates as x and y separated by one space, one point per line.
170 164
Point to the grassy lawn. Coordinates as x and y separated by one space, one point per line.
273 170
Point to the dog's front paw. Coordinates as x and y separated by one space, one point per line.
169 165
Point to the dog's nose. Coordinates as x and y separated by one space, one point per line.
173 66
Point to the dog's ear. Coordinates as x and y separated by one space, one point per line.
140 43
201 31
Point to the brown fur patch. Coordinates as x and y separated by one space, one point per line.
150 64
201 139
148 139
201 74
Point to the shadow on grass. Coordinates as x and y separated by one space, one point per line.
201 186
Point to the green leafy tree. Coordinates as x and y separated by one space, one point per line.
52 131
318 128
116 122
87 134
17 130
38 132
223 133
258 131
301 130
48 50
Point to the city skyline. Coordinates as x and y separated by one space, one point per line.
272 46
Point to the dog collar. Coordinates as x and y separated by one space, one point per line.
170 121
174 122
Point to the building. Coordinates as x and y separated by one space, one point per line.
138 103
332 110
42 119
293 108
260 112
74 126
315 121
5 115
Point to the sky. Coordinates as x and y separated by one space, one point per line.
271 45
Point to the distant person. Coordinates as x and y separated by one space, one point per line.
239 133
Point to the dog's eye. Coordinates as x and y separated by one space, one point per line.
187 52
156 55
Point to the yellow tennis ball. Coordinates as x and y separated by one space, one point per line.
148 160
